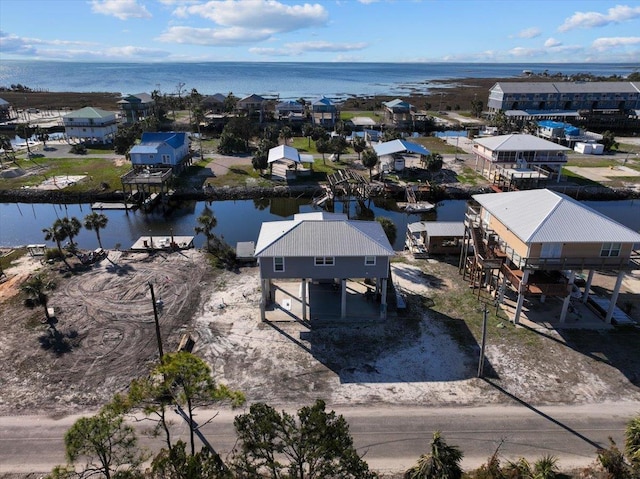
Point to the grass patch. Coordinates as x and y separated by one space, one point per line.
460 311
7 260
593 162
97 170
469 176
240 175
436 145
349 115
302 144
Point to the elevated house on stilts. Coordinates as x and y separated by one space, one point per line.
535 242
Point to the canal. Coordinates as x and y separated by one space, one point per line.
22 223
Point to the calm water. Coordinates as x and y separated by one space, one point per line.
22 223
288 80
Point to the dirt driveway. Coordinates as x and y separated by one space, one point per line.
105 337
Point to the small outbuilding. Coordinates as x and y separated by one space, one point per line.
286 163
426 238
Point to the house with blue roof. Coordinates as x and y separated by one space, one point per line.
399 113
161 150
324 112
136 107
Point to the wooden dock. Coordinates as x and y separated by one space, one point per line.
99 205
162 243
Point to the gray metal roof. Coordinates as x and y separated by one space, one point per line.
283 152
89 112
524 87
438 228
545 216
399 146
519 142
309 237
566 87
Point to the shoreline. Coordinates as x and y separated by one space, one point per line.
447 192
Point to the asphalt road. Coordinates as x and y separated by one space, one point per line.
391 438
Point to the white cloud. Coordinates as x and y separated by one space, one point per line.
270 52
529 33
130 52
366 2
551 43
295 49
603 44
523 52
211 36
268 15
122 9
617 14
321 46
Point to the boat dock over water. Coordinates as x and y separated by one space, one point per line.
162 242
113 206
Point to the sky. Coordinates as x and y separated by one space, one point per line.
543 31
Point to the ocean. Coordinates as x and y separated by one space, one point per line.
286 81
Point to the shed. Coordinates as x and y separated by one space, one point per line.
435 237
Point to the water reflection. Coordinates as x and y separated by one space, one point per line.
239 220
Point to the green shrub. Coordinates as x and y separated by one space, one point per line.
52 253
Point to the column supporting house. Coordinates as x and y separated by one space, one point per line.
383 299
343 302
614 297
263 300
567 298
463 252
587 287
503 288
521 290
303 298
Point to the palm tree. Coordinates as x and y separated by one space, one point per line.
307 130
443 462
7 148
369 160
36 288
72 226
286 134
96 222
57 233
206 222
545 468
359 145
632 442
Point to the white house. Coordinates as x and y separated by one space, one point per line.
90 124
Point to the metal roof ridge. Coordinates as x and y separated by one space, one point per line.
546 217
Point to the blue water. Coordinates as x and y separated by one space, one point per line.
22 223
451 133
288 80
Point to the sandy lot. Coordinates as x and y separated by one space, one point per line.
105 337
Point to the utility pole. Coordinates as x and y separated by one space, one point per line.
482 344
155 317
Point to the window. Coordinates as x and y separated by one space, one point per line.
166 159
610 249
324 261
369 260
486 217
278 264
551 250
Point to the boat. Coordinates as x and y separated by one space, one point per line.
150 202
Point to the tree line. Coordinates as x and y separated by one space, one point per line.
312 443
